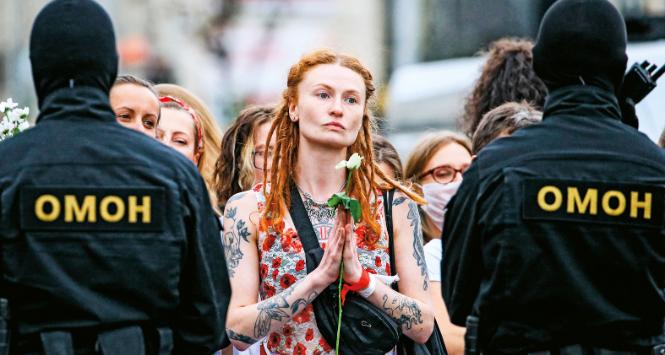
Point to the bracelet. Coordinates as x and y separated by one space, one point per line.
361 284
370 288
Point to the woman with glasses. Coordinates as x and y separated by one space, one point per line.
241 164
436 164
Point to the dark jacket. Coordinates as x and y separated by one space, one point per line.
102 227
550 240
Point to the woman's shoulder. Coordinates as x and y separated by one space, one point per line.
251 199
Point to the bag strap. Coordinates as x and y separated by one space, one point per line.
308 238
388 196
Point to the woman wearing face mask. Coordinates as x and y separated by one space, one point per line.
204 156
437 163
322 119
135 104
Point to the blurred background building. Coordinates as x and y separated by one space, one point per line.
235 52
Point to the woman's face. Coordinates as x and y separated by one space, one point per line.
135 107
447 164
260 151
330 107
177 130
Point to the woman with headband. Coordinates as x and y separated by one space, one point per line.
208 143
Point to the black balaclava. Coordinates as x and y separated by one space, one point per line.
72 44
581 42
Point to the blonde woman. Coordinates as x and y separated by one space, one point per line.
211 133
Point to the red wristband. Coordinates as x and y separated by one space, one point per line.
362 283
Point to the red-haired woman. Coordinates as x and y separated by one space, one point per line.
323 118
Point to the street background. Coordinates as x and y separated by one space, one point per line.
423 53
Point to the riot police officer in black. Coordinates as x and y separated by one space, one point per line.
555 241
108 241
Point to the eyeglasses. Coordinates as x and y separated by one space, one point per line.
259 156
443 174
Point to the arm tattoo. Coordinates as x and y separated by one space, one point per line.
269 310
405 311
398 201
418 253
232 239
236 197
275 308
240 337
303 302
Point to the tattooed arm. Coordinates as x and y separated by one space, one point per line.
249 321
411 307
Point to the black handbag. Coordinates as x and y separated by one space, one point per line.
406 346
366 329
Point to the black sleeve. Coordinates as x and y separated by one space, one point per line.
205 289
461 264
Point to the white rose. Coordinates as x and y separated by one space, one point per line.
341 165
354 161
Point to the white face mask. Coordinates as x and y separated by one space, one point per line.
437 197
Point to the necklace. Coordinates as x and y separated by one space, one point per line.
310 197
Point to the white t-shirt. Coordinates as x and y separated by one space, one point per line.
433 255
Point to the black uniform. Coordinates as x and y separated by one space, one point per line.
102 227
556 236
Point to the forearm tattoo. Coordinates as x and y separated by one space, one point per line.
418 253
269 310
243 338
232 238
303 302
276 307
404 310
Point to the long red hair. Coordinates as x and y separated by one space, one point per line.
363 183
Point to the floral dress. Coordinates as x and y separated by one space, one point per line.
282 264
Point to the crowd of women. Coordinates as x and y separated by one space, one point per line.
271 151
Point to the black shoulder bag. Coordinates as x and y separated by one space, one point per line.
366 329
406 346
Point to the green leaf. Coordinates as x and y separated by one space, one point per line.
354 207
336 199
333 201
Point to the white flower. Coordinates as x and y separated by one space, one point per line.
11 104
12 119
341 165
351 164
354 161
13 116
24 112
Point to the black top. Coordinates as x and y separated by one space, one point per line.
556 235
102 226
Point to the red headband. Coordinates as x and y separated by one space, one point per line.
197 122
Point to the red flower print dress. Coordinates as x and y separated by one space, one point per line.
282 264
